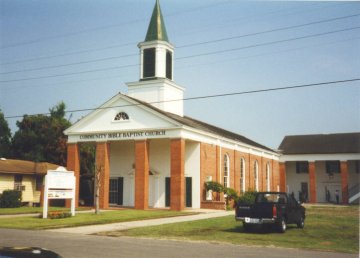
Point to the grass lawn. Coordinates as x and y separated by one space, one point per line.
86 219
330 229
29 210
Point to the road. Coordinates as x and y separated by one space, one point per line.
78 246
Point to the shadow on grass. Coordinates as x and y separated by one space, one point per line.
258 229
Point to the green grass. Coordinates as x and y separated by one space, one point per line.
30 210
86 219
327 229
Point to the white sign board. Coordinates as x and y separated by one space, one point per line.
59 184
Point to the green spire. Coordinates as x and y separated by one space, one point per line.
156 30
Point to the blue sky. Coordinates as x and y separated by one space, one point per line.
83 52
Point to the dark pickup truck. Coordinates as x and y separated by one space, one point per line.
274 208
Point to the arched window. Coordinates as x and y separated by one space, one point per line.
226 170
122 116
242 175
268 177
256 175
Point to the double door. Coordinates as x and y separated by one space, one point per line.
116 190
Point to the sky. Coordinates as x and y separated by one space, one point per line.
83 52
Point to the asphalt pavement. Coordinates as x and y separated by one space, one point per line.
70 245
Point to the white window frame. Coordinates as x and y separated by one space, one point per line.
256 175
226 170
242 175
268 178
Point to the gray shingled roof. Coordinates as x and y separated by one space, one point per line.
199 125
321 144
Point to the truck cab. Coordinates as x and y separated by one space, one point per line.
275 208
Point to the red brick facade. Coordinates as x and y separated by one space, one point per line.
103 163
212 164
344 181
141 175
177 177
73 164
312 181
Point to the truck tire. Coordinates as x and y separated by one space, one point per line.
281 226
301 222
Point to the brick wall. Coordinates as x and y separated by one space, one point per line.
344 181
141 175
73 164
177 165
103 163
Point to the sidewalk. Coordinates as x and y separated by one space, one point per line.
86 230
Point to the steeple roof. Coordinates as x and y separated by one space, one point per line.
156 29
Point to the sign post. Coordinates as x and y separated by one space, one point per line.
59 184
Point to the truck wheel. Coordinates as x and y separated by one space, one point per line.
301 222
281 226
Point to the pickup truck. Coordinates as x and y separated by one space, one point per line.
274 208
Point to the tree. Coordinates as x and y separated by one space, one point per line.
40 138
5 136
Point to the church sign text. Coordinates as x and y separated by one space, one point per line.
121 135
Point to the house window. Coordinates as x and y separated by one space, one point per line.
18 182
226 170
332 167
39 183
122 116
242 175
149 63
268 177
302 167
357 166
256 175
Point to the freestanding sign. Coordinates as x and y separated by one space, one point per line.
59 184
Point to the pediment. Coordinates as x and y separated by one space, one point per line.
121 114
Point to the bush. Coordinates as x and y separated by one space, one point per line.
214 186
10 199
58 214
247 198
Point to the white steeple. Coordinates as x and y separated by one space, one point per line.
156 85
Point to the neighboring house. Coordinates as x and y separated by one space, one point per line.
320 167
25 176
151 155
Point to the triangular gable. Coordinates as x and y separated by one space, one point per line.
103 118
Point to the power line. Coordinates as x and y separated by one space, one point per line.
181 46
268 31
97 28
185 57
268 43
66 83
209 96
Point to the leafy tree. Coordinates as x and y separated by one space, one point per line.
41 138
5 136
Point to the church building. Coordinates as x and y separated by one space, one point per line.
153 156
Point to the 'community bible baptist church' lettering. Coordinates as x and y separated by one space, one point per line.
122 135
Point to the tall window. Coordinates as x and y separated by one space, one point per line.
149 63
242 175
226 170
256 175
268 177
168 65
